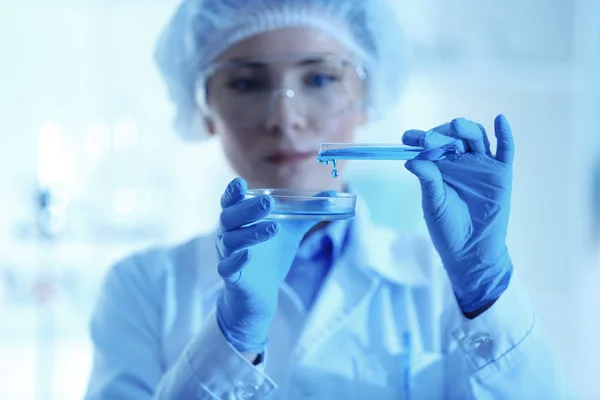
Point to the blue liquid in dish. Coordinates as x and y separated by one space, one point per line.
322 215
402 153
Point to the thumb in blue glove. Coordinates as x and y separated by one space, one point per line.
255 258
466 203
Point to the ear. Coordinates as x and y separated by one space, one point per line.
210 126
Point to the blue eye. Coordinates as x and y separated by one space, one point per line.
320 80
245 85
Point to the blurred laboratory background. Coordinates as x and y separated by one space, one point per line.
92 170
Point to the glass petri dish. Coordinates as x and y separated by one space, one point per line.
309 204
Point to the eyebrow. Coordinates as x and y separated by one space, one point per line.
310 61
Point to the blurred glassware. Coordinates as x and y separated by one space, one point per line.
52 205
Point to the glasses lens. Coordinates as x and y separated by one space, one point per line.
325 89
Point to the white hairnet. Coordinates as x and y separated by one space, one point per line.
201 30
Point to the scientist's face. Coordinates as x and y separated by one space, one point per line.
274 97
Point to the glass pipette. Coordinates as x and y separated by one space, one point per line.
332 152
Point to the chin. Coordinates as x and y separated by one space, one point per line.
317 177
306 182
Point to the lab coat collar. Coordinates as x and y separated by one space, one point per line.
387 252
377 250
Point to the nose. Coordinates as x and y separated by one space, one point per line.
282 115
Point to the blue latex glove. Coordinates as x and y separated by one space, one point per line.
466 202
255 258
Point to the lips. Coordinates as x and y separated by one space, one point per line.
290 157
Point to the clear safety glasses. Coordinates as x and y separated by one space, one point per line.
248 91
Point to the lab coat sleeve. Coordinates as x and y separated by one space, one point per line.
128 362
503 354
211 365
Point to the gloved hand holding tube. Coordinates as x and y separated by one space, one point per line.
466 203
255 258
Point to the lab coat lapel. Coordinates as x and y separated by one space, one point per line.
341 294
368 259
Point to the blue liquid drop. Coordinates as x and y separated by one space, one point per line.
335 172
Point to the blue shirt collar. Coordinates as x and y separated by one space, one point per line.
335 231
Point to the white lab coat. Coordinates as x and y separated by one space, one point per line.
385 326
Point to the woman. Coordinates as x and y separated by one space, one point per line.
297 309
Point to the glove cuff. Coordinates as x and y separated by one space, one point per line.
481 284
244 333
